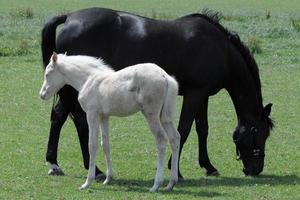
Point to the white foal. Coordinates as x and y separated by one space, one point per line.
104 92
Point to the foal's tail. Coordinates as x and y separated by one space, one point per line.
49 37
169 106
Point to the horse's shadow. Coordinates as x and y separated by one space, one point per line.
271 180
142 186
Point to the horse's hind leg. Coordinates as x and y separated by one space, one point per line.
174 139
59 115
161 141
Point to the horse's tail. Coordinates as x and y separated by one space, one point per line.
169 106
49 37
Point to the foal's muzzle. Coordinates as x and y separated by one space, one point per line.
44 95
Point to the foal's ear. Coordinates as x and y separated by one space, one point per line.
266 111
54 57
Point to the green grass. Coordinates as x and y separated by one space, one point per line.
24 124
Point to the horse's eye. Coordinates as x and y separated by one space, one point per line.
253 129
242 129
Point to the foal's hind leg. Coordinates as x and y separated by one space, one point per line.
161 141
174 139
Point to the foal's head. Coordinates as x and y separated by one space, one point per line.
53 79
250 139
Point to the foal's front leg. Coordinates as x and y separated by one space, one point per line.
106 148
93 122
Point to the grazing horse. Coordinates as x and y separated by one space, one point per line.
104 92
203 56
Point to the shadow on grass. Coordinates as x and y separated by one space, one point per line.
182 188
271 180
143 186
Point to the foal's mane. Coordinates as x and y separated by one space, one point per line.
214 18
81 60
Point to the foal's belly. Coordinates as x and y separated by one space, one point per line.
120 104
123 110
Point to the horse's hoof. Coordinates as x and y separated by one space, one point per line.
212 173
100 177
56 172
180 179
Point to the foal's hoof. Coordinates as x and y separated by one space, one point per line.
153 189
170 186
107 180
84 186
212 173
100 177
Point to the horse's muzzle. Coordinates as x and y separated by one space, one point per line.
253 166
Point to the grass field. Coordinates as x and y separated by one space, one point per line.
273 27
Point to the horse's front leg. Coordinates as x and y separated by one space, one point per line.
187 116
202 131
93 123
106 148
59 115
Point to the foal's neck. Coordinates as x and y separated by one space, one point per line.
77 76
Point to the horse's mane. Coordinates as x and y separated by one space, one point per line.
214 18
97 63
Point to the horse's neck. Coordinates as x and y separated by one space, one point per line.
246 99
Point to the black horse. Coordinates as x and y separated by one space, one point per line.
202 55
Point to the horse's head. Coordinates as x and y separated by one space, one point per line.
53 80
250 139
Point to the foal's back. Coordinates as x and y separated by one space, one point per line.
135 88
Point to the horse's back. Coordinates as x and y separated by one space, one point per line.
86 31
183 47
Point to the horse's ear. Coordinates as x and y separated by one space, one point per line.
266 111
54 57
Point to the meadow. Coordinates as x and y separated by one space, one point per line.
272 31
